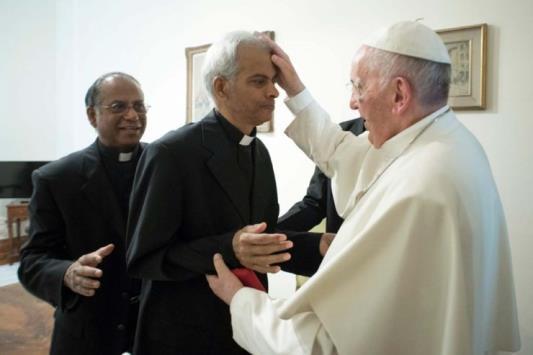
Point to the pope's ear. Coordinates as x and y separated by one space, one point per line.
91 116
403 94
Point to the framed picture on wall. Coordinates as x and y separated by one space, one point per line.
198 103
467 47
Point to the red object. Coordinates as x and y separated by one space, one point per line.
249 278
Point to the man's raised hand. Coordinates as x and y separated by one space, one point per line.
81 276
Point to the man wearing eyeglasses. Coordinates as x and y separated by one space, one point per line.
75 258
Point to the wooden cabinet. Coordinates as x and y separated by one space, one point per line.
17 213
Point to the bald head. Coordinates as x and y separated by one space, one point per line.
92 97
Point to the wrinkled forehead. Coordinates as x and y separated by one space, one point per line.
254 57
359 55
358 61
247 50
118 87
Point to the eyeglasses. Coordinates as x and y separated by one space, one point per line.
123 107
355 86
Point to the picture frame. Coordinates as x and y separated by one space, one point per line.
467 47
198 103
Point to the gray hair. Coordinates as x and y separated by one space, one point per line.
93 93
430 80
221 57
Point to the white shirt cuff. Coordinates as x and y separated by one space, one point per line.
240 298
297 103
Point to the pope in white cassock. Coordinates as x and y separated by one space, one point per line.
421 265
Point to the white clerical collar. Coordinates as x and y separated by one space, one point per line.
122 157
246 140
114 154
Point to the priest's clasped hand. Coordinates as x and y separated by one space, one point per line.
225 284
81 276
260 251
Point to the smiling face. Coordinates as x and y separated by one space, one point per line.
247 99
118 130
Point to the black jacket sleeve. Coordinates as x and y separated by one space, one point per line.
157 248
311 210
44 259
159 244
305 253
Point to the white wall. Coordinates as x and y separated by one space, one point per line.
52 51
27 66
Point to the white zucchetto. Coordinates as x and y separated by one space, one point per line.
412 39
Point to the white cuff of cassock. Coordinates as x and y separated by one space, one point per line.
242 317
238 298
297 103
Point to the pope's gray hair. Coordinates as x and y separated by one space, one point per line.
430 80
221 57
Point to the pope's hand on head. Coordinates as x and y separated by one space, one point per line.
225 284
82 275
287 77
260 251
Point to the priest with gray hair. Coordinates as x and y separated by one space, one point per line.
422 263
207 188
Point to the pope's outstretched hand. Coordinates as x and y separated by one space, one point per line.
287 77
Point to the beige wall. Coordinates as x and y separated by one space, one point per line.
58 47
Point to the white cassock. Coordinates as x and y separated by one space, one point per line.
421 265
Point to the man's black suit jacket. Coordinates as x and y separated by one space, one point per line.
187 203
318 203
74 211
